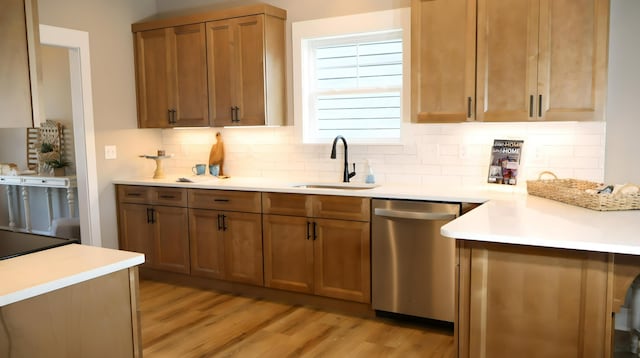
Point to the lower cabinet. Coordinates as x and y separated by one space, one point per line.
313 244
530 301
154 221
318 255
226 244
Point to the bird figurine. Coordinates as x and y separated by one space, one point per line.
216 155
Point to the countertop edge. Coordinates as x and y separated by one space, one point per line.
66 280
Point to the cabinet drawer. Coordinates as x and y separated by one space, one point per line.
140 194
133 194
341 207
244 201
168 196
286 204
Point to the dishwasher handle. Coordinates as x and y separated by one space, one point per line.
415 215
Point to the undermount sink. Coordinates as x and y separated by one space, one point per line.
343 186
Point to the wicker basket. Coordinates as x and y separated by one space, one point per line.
573 191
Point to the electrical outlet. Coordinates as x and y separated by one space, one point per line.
110 152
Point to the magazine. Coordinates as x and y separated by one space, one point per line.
505 161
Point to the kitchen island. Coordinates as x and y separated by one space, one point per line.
540 278
70 301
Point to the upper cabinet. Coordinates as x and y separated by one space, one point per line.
172 77
534 60
218 68
443 60
19 41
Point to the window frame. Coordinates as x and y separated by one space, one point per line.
360 24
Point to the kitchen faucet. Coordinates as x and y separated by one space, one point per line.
346 176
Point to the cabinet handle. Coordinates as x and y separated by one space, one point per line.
219 223
233 114
469 102
315 232
151 216
134 194
221 200
540 106
224 222
167 197
531 106
237 119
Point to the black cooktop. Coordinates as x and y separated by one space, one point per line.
14 244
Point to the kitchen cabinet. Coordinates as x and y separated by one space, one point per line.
318 244
154 221
534 60
443 58
19 43
548 302
225 235
171 70
246 72
216 68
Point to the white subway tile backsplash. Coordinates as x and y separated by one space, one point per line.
430 154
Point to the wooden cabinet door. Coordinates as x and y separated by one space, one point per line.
189 76
221 79
135 230
342 259
153 78
18 31
236 71
572 71
288 253
546 302
171 236
248 70
507 60
206 241
172 77
243 247
443 51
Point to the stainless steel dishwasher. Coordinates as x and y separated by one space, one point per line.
413 266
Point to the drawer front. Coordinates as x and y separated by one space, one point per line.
10 180
47 182
342 207
286 204
135 194
168 196
245 201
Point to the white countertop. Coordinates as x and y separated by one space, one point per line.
508 214
34 274
530 220
435 193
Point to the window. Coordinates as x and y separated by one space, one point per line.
351 80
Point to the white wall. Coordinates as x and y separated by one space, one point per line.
111 44
623 104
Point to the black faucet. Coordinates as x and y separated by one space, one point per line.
346 176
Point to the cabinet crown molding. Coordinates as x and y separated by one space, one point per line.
200 15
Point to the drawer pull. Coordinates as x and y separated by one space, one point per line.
221 200
134 194
167 197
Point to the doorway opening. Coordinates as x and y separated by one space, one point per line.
77 42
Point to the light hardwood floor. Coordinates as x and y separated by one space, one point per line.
180 321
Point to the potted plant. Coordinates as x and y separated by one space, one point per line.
57 166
